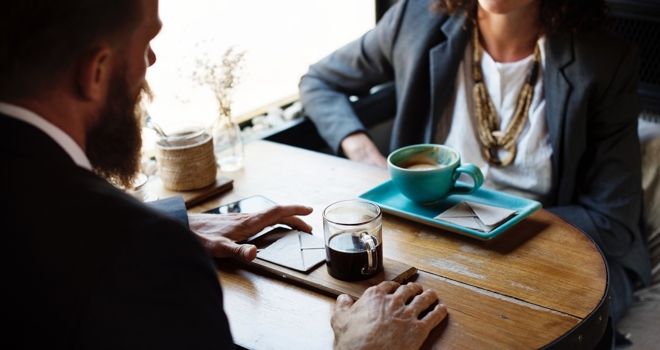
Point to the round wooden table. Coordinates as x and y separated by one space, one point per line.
542 283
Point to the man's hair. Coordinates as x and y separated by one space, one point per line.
557 16
41 39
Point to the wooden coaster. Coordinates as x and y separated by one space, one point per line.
194 197
321 280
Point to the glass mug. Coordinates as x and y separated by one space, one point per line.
353 233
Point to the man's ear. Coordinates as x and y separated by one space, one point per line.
93 77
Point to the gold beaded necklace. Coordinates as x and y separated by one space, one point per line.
488 122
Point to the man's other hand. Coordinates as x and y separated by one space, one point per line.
386 317
360 148
219 233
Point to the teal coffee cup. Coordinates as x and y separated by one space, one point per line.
427 173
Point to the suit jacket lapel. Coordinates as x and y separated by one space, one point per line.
24 140
444 59
557 89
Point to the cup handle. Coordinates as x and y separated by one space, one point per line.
372 255
474 172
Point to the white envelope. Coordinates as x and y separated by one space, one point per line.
476 216
296 250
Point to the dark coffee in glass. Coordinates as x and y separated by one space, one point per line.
349 256
353 240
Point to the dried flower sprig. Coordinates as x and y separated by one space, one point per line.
221 77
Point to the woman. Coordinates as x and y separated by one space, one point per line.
568 139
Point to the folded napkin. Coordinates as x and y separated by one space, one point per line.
296 250
476 216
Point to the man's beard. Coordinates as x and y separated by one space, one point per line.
114 143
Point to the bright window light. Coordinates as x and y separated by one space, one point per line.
282 38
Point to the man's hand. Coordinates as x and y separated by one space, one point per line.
360 148
219 233
386 317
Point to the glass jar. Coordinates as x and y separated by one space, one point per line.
227 144
183 134
185 157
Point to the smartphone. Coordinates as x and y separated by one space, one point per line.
246 205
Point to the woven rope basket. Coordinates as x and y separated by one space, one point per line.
189 167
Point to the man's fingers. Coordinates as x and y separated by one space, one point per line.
423 301
275 214
229 249
408 291
434 317
280 211
247 252
297 223
388 287
344 302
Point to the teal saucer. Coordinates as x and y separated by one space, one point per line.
393 202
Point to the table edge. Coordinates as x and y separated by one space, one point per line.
588 333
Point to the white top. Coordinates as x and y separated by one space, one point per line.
530 175
60 137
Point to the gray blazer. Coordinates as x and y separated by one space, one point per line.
590 84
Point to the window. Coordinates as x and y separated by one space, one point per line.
282 38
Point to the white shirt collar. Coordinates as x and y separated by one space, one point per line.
60 137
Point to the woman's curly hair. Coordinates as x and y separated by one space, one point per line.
558 16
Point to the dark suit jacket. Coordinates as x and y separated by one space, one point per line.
86 266
590 84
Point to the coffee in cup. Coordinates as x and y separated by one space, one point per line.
427 173
421 163
353 240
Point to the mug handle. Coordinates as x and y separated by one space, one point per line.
372 255
474 172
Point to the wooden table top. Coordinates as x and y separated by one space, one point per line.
543 282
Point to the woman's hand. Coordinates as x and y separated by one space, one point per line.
360 148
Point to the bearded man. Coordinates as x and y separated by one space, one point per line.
87 266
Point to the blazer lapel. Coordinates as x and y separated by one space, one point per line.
557 89
25 140
444 59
